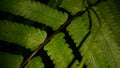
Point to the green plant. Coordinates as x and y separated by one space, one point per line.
59 34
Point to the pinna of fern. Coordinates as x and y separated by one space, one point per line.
34 11
23 35
60 52
35 62
72 6
8 60
80 26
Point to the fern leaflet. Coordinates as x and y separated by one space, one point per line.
59 52
73 6
27 36
79 28
34 11
9 60
35 62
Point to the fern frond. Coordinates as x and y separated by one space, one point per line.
73 6
79 28
24 35
35 62
9 60
59 52
34 11
93 56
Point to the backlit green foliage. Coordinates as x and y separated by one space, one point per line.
90 38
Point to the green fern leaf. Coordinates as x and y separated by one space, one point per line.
93 56
21 34
9 60
73 6
59 52
79 28
34 11
36 62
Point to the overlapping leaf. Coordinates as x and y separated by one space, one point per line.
9 60
59 51
35 62
24 35
34 11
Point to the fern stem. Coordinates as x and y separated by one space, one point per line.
58 30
